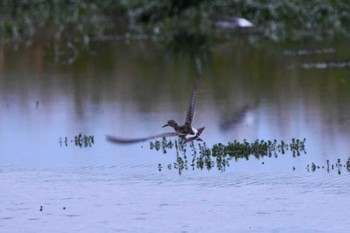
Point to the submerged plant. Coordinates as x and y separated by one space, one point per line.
220 155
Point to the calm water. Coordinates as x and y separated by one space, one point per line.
131 90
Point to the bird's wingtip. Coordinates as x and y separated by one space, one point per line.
116 140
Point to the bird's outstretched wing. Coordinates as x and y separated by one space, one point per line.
118 140
190 111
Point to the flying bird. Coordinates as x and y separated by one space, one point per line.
186 131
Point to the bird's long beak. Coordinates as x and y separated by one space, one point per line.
165 125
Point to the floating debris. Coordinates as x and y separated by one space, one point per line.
220 155
80 140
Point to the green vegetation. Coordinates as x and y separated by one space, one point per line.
77 22
192 156
63 28
276 20
74 21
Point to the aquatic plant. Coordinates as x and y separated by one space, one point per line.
80 140
84 140
338 166
220 155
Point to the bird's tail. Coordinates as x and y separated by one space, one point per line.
200 130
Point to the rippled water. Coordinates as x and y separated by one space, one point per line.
128 199
49 185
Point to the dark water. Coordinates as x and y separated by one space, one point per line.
132 89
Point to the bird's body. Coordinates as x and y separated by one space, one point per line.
186 131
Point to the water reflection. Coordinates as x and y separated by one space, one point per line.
230 120
309 52
120 86
326 65
319 58
80 140
338 166
199 156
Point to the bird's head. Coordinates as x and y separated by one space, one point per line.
171 123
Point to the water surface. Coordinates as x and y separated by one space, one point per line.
132 89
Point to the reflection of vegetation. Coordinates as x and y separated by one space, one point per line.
338 166
79 140
220 155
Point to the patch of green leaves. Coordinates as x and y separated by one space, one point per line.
220 155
